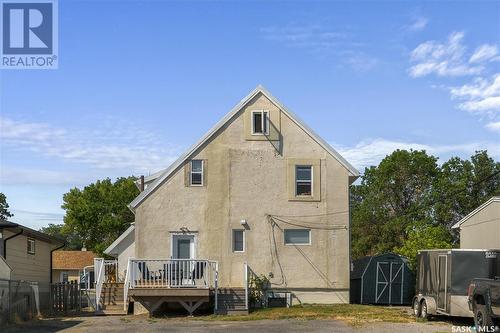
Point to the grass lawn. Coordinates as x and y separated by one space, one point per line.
353 314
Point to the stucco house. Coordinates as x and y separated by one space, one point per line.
260 194
69 266
122 249
480 229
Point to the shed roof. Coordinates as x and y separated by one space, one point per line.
72 259
360 265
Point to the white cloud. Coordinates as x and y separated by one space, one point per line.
418 24
323 42
442 59
313 37
125 149
485 52
482 96
30 176
494 126
372 151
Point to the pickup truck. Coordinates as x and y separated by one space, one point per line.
484 302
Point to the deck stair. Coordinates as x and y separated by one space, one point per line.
231 301
112 299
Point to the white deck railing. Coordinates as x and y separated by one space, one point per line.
172 273
104 271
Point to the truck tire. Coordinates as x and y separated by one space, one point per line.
424 314
482 317
416 308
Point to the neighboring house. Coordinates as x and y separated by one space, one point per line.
480 229
122 249
28 252
259 188
68 266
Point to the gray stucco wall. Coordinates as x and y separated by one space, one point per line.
247 179
482 230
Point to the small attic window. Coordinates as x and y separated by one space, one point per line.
196 176
260 122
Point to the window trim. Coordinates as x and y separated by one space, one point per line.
29 240
264 120
191 172
311 181
297 244
232 241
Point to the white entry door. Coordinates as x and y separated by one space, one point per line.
183 247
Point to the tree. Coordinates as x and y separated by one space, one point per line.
98 214
463 185
4 208
424 236
389 199
408 202
73 241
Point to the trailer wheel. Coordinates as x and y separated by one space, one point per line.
423 310
416 308
482 317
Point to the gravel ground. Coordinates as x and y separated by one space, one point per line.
144 324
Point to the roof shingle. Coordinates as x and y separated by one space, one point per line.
72 259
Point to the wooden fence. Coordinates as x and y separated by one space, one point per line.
65 297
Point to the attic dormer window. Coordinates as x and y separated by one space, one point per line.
260 122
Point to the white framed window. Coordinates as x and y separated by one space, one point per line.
238 240
260 122
303 180
196 173
31 246
64 277
297 236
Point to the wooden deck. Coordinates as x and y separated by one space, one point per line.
169 292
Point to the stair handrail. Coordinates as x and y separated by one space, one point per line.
245 272
216 287
126 284
99 268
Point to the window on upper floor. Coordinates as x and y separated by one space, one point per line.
303 180
238 240
297 236
31 246
196 173
260 122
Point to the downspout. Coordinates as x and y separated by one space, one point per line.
5 243
51 251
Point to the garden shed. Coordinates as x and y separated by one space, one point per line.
382 279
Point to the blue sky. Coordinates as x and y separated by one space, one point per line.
139 82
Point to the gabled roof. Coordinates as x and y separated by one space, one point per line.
72 259
111 248
353 173
475 211
15 227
